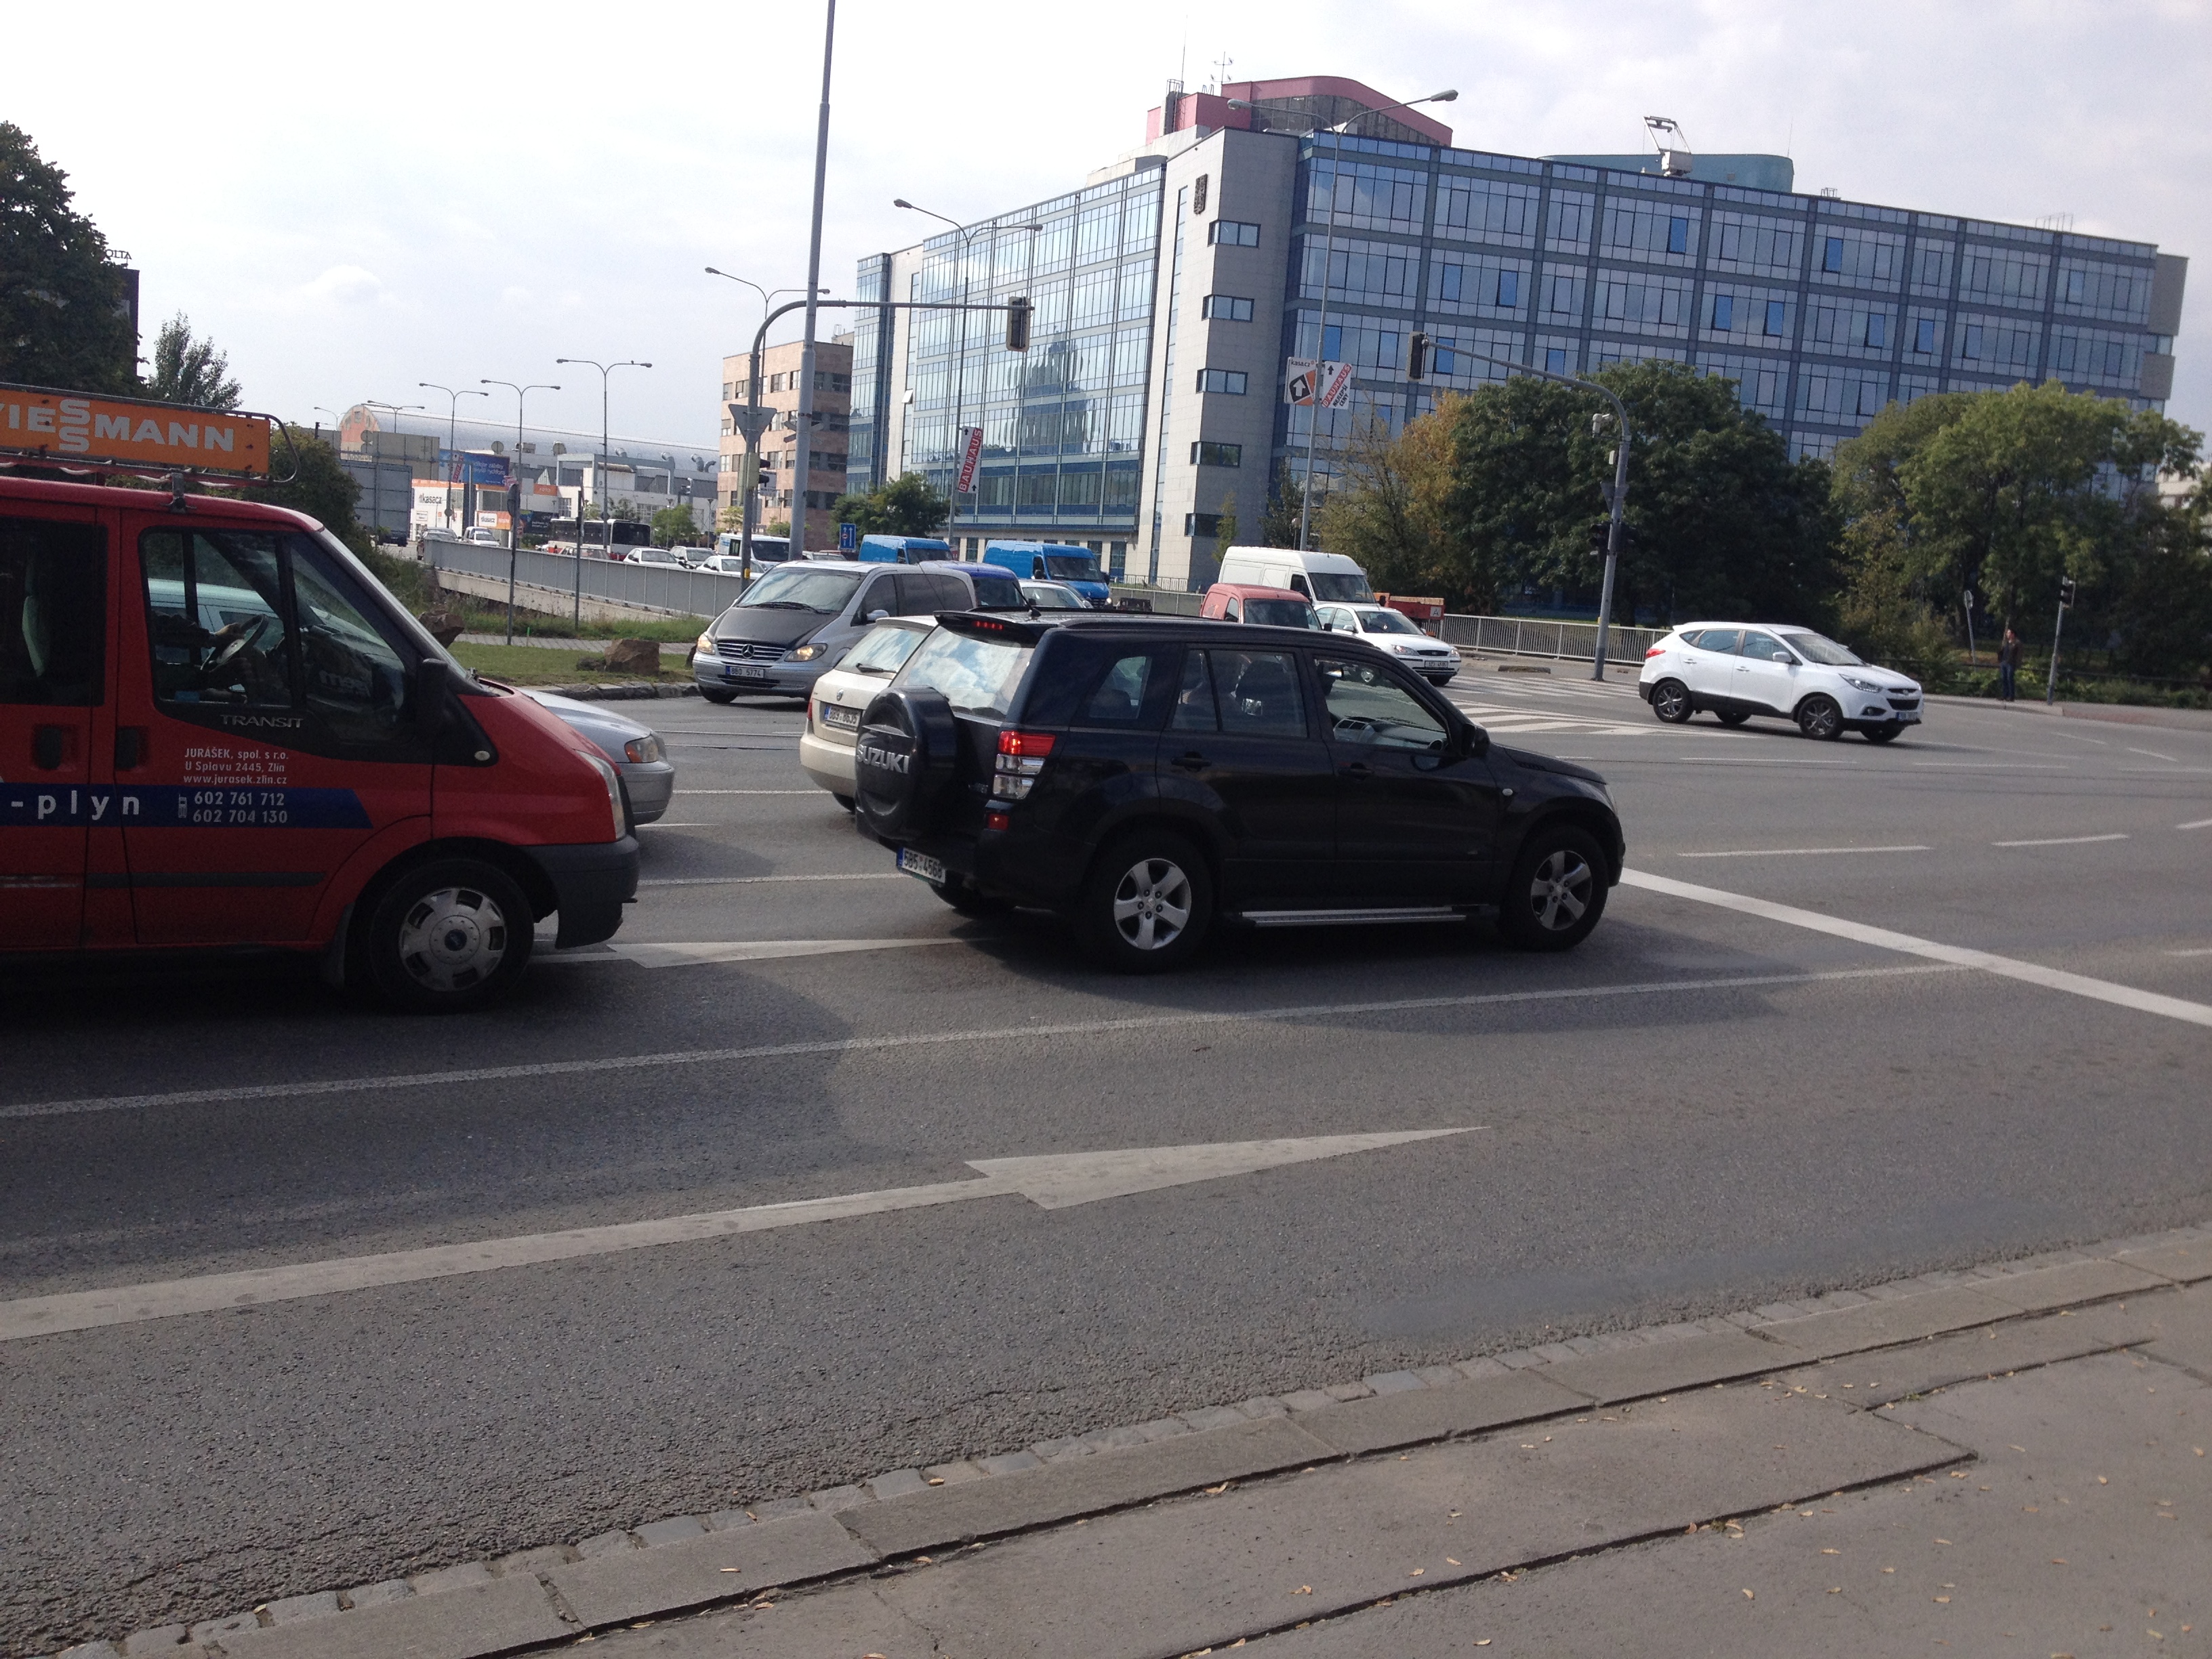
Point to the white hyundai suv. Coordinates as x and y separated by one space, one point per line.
1736 670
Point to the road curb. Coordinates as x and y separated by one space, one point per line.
2115 714
480 1610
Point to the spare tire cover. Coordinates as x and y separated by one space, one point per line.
902 762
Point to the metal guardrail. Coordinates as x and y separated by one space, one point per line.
649 586
1532 637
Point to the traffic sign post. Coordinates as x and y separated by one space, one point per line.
848 538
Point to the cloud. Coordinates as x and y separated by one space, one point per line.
339 288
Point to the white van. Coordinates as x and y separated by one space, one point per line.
1324 578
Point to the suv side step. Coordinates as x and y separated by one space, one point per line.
1341 918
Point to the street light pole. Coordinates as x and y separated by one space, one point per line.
376 464
1327 259
748 496
514 517
801 459
598 475
453 431
960 358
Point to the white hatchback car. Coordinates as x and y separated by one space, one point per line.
840 694
1392 631
1736 670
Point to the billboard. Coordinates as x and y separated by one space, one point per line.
87 431
1327 383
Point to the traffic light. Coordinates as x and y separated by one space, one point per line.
1600 534
1018 323
1418 352
2066 590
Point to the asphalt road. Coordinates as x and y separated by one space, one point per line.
1695 1146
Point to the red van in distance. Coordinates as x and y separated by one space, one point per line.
1275 607
218 730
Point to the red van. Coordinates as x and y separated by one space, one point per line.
218 730
1275 607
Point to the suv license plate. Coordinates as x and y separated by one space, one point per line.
1908 717
921 864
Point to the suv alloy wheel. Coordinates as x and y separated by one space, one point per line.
1557 891
1148 902
1670 701
1818 717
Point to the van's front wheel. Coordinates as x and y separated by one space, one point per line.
448 936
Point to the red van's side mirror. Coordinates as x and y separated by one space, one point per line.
431 676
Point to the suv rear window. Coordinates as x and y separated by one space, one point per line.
976 676
1280 613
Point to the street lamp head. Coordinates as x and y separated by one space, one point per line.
1238 103
1451 97
901 202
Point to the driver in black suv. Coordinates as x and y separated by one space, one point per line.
1145 776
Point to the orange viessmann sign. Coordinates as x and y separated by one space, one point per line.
87 431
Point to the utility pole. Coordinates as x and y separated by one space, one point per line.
453 431
748 494
2065 598
801 459
514 519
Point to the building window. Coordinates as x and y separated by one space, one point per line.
1563 293
1923 339
1678 235
1508 290
1555 360
1230 381
1777 317
1877 328
1723 311
1227 232
1972 349
1833 258
1227 308
1198 196
1203 454
1201 523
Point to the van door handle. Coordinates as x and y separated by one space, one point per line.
49 747
1191 762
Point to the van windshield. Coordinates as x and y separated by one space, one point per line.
1330 587
1073 566
976 676
822 588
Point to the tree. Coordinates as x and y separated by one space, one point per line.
1721 522
1278 520
191 371
907 505
65 309
673 526
1391 513
1224 529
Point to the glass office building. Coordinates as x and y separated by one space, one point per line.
1171 292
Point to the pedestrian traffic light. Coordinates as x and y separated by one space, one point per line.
1417 357
2065 590
1018 323
1600 536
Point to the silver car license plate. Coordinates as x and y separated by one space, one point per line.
921 864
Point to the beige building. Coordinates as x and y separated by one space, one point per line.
780 486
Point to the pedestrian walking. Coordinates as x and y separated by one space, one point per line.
2008 664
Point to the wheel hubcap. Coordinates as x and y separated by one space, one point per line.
1152 904
1561 891
453 938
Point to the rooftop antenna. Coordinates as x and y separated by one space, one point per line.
1675 161
1222 65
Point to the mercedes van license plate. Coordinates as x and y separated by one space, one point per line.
921 864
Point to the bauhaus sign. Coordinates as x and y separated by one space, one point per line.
87 431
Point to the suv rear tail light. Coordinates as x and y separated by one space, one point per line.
1659 650
1021 757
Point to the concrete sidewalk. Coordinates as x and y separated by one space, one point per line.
2009 1460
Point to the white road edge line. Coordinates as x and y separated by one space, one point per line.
1052 1182
925 1039
2079 985
1799 852
2195 823
2201 950
2061 840
646 953
740 881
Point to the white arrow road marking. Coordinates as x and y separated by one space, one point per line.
1053 1182
2034 973
765 950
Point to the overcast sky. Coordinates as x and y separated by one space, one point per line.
353 199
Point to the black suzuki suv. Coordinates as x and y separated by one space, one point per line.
1145 776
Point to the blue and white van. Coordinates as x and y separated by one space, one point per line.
903 550
1053 561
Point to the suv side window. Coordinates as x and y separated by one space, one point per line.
1131 692
1257 693
1760 648
1367 705
1719 640
1194 709
53 613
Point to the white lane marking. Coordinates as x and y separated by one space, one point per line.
1758 760
678 823
2162 771
2125 996
2195 823
2173 760
924 1039
1800 852
738 881
1991 766
2202 951
2060 840
649 955
1051 1182
752 792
